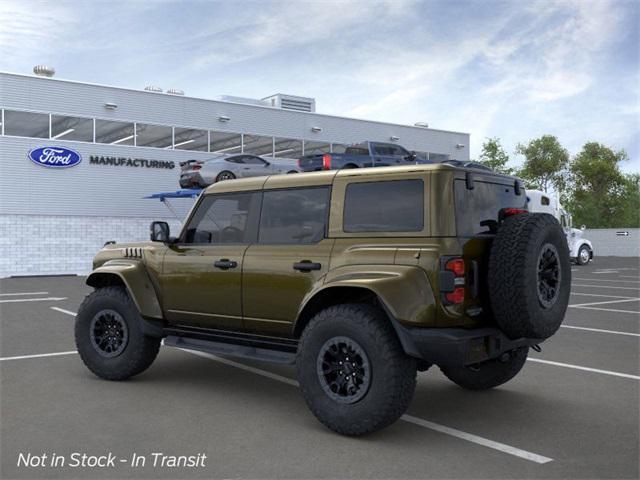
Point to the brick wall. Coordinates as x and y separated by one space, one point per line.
44 245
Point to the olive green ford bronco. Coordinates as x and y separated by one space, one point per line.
359 277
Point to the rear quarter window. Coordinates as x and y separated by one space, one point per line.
391 206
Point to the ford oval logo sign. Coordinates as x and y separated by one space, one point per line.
55 157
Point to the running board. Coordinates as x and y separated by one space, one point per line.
242 351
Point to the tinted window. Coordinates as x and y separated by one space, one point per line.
235 159
71 128
113 132
296 215
157 136
253 160
482 204
26 124
394 206
227 218
191 139
223 142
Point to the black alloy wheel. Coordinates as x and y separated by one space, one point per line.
343 370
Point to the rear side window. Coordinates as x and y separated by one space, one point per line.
482 204
225 218
294 216
393 206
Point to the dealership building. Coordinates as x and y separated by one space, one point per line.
118 146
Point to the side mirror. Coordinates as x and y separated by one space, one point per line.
159 232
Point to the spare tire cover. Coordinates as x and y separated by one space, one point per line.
529 276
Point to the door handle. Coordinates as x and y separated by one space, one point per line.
225 264
306 266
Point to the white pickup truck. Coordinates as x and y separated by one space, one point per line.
580 249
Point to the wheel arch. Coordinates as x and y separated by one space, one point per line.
134 278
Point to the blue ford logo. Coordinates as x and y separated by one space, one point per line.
54 157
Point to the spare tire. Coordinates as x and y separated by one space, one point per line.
529 276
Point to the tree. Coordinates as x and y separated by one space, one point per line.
601 195
494 156
545 163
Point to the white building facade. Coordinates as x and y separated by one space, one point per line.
129 144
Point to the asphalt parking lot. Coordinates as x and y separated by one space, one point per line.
573 412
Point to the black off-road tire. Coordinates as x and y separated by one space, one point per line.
392 372
488 374
140 350
225 175
517 287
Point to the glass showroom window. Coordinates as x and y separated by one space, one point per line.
338 148
313 148
224 142
157 136
26 124
287 148
258 145
114 133
190 139
438 157
71 128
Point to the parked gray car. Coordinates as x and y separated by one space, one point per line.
202 173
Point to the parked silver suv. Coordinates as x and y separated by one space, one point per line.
202 173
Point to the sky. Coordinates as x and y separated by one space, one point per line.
508 69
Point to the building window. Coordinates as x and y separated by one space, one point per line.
71 128
224 142
339 148
191 139
26 124
287 148
157 136
294 215
114 133
314 148
258 145
438 157
392 206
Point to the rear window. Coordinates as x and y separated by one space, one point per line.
393 206
481 204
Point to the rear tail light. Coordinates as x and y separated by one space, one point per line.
299 163
326 161
196 167
456 297
509 212
452 280
455 265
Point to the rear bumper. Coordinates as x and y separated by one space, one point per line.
191 179
458 346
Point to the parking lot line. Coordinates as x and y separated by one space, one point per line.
23 293
601 330
41 355
606 286
586 369
607 309
632 299
629 276
62 310
47 299
607 280
533 457
598 295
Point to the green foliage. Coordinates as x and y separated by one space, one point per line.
600 195
545 163
494 156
